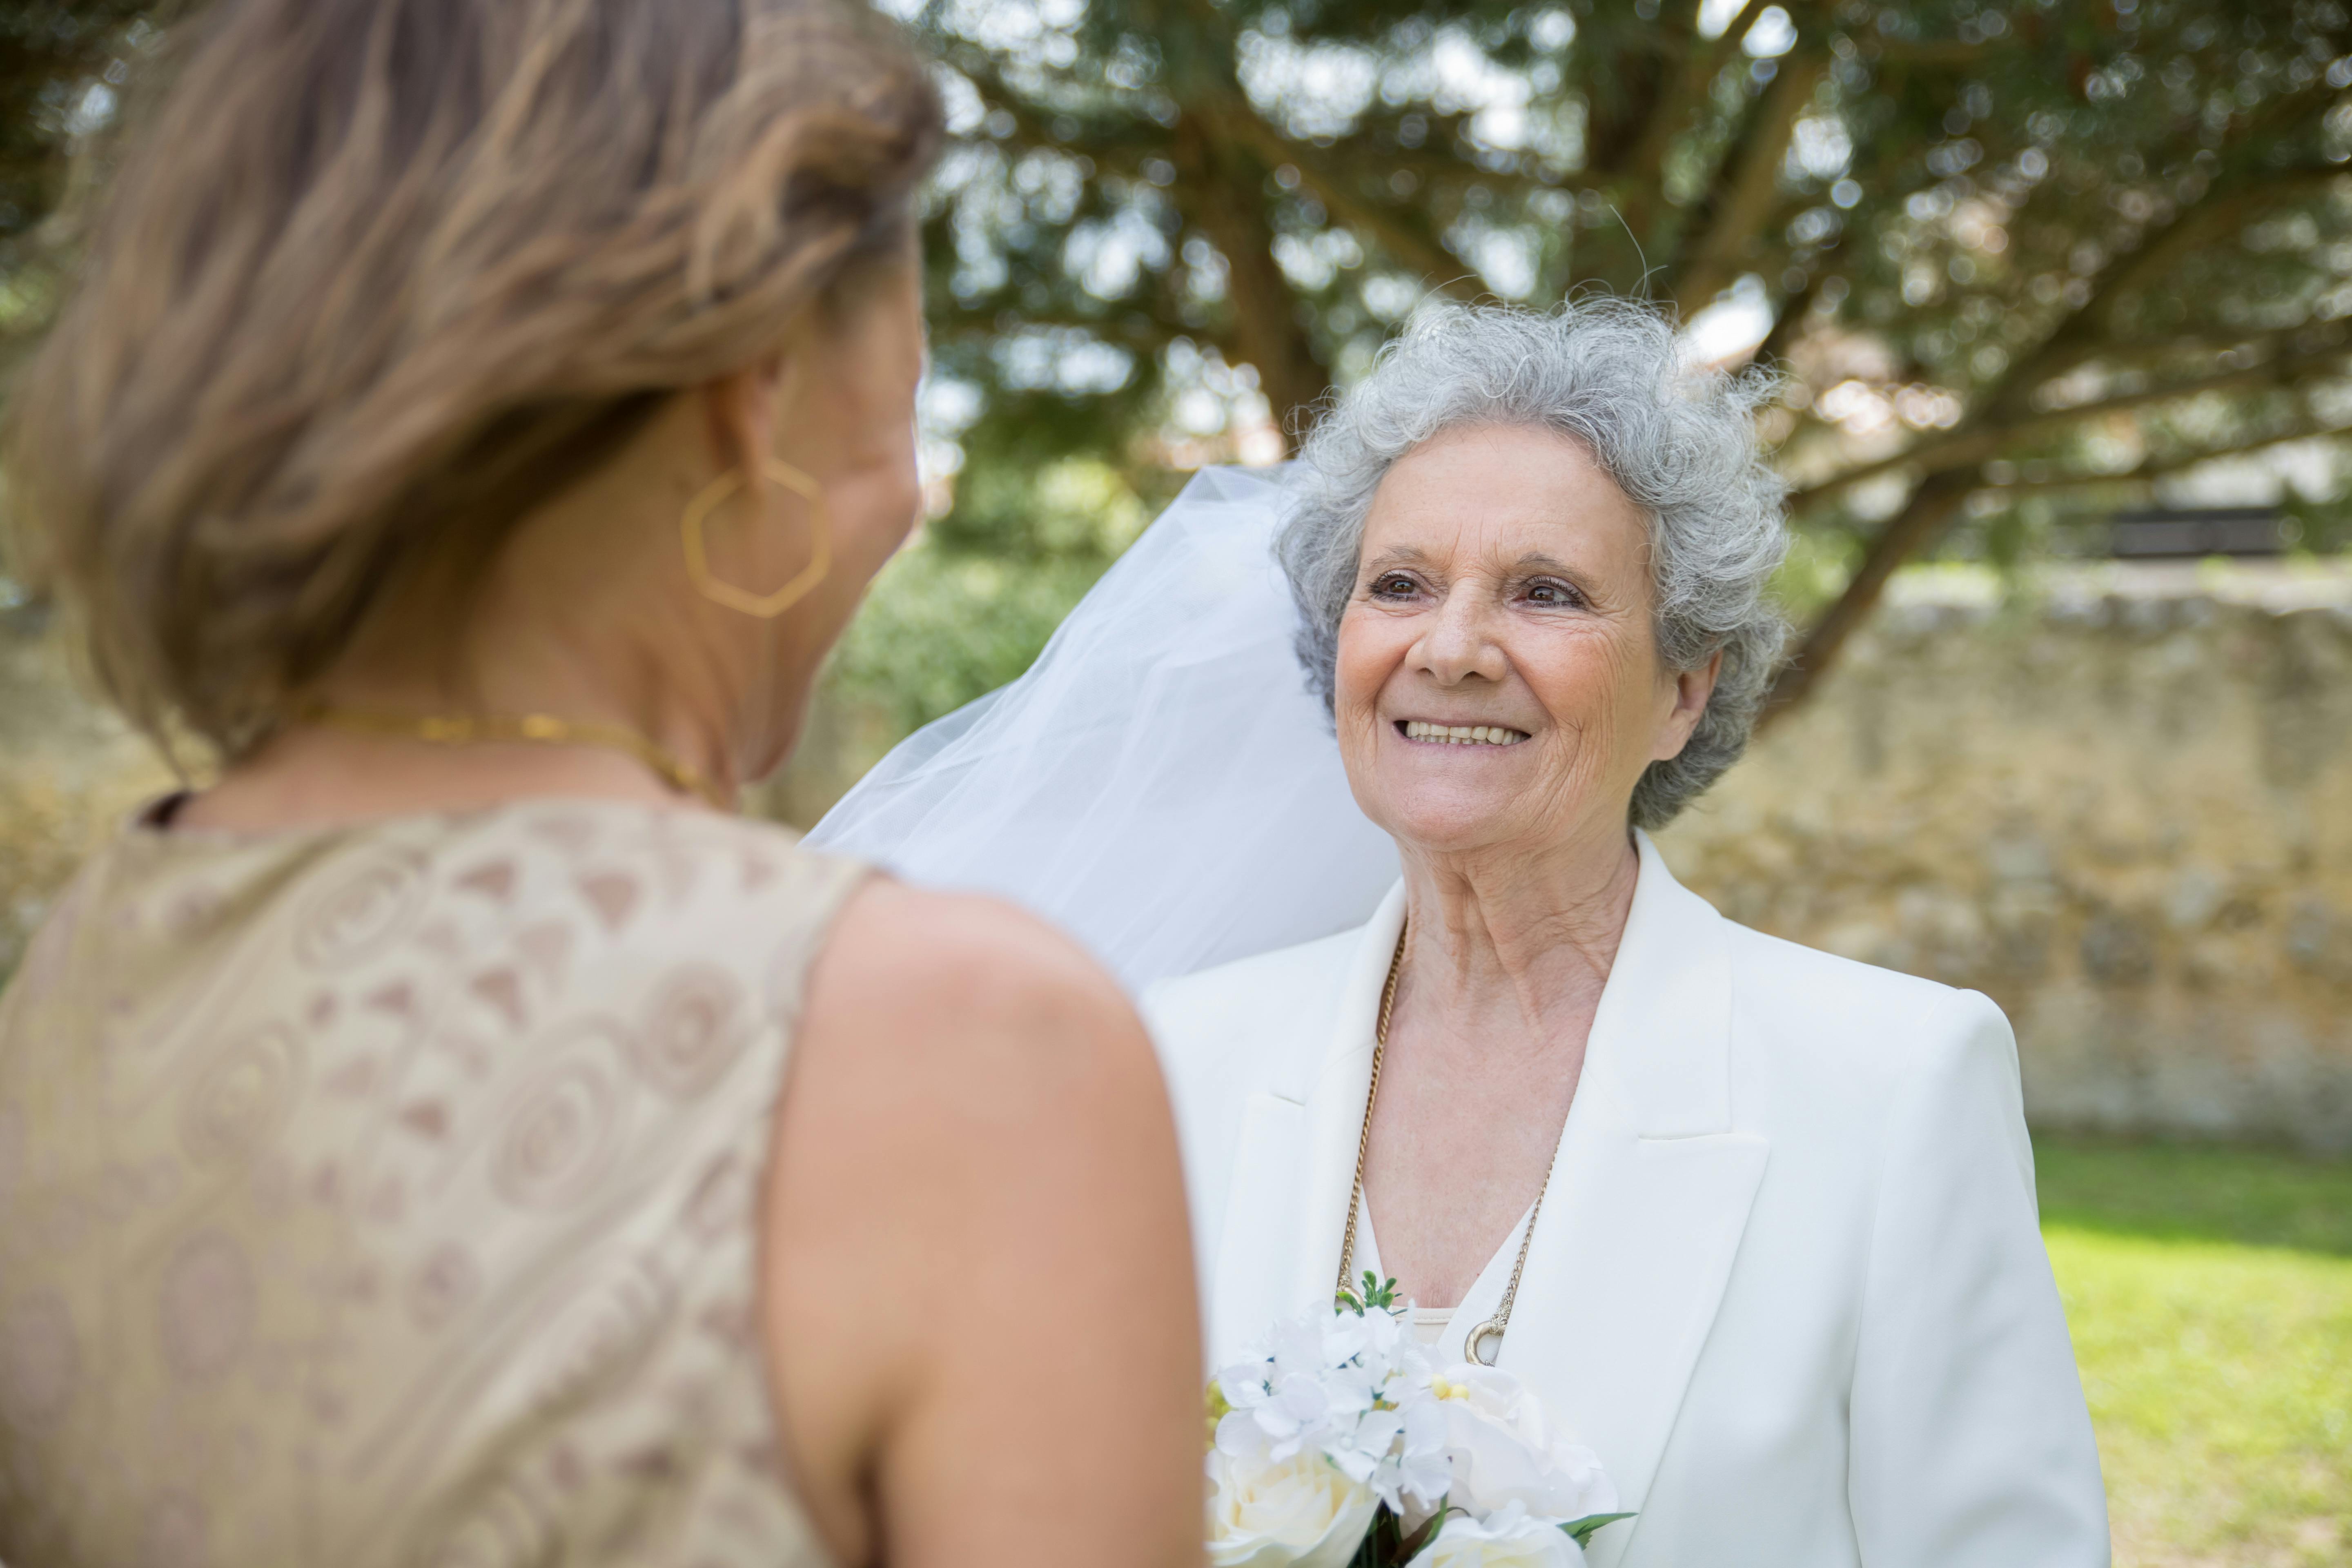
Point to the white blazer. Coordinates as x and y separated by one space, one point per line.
1788 1279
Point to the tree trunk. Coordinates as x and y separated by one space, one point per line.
1226 199
1906 533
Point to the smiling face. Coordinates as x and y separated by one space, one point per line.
1499 683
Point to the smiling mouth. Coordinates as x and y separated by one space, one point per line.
1459 734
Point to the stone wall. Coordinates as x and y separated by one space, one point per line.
2121 806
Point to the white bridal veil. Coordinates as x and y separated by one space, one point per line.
1161 784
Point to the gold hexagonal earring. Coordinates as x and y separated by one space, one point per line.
716 494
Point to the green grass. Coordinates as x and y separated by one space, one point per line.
2210 1294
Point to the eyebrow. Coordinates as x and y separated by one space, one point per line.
1534 561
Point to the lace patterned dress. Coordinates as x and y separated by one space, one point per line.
386 1194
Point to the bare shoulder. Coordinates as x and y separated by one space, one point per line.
915 942
897 950
974 1115
981 1003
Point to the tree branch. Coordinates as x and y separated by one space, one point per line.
2077 340
1793 311
2084 331
1121 144
1941 52
1973 443
1394 229
1116 327
1932 503
2172 463
1755 185
1670 114
1904 535
1912 529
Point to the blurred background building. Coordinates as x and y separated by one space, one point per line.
2060 296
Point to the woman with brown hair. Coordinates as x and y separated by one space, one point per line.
474 422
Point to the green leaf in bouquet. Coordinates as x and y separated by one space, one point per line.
1373 1294
1383 1545
1581 1530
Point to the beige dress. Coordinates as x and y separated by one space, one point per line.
386 1195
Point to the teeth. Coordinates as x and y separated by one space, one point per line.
1462 734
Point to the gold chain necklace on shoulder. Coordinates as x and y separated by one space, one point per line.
534 728
1484 1343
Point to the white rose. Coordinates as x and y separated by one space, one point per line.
1509 1538
1299 1512
1505 1452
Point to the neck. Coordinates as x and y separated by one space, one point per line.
575 637
536 715
685 704
1512 947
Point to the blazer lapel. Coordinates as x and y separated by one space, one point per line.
1647 1206
1295 1166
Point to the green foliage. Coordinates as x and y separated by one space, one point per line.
1076 510
941 629
1376 1293
63 64
1819 565
2188 1192
1583 1531
1954 178
2053 252
2217 1378
2320 526
970 605
2208 1291
1386 1545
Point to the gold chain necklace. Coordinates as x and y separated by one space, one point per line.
1484 1343
535 729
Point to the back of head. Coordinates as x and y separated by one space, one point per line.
377 277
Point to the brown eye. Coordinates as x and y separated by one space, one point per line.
1552 594
1391 586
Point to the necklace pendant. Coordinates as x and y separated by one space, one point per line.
1485 1343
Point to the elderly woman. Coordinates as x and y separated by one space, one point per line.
454 1137
1756 1223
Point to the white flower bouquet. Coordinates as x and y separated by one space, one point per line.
1337 1445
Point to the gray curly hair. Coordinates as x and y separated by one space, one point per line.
1680 443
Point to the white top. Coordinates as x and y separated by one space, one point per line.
1442 1329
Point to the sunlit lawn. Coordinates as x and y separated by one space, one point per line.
2210 1292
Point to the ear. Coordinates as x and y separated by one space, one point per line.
739 415
1692 687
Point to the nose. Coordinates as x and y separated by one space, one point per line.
1458 642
